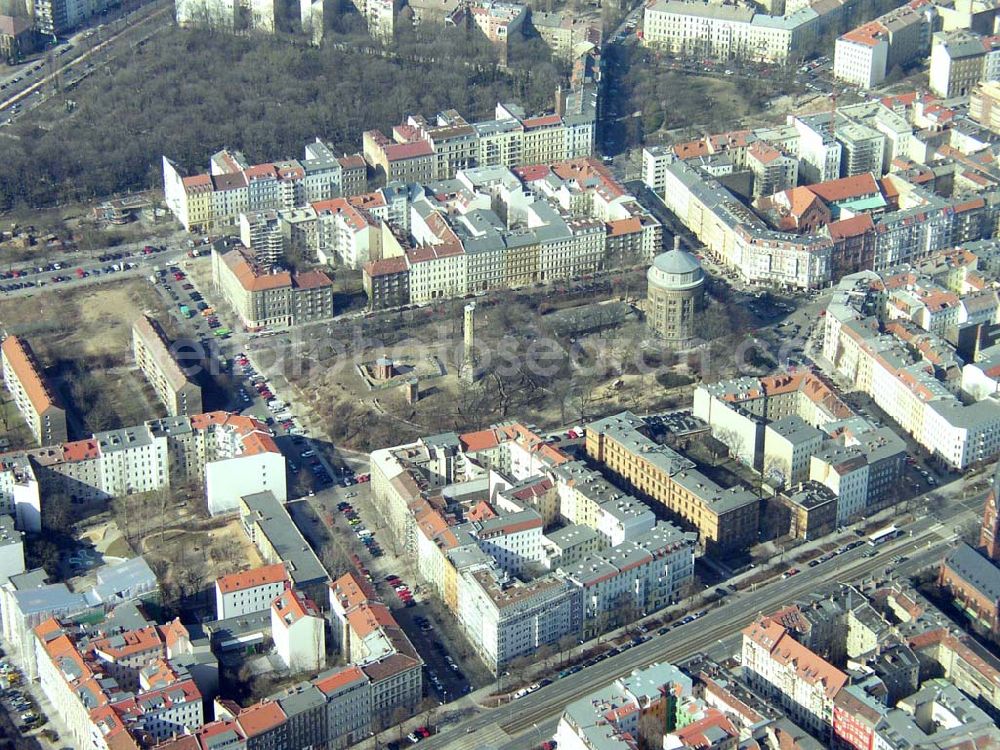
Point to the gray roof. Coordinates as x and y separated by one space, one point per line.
8 535
795 429
677 262
126 579
976 570
124 438
288 543
570 536
53 599
302 697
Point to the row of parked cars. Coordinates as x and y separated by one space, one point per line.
401 590
357 526
417 735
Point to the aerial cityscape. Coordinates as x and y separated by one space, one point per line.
488 375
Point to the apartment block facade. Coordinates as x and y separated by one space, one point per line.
277 298
36 400
726 519
213 201
157 360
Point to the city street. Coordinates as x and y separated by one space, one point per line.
514 726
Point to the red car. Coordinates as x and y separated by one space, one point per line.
423 732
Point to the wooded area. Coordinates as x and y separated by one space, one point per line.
189 93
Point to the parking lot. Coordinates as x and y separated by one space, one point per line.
19 704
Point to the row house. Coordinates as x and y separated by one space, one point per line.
212 201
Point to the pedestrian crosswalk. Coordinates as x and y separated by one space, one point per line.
490 737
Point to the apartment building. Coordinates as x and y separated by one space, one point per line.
726 519
861 56
726 31
228 452
957 59
511 482
262 233
789 444
564 34
619 583
250 590
156 359
565 219
803 683
625 712
506 618
125 686
772 170
880 364
333 710
794 428
278 298
213 201
20 496
369 635
57 17
779 252
17 37
38 403
866 54
380 16
984 105
346 234
498 20
299 632
265 521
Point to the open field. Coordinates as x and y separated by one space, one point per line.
533 365
92 323
83 338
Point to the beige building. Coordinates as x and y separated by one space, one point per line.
281 298
38 403
158 363
674 295
984 106
566 35
726 519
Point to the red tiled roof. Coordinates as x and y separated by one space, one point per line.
80 450
26 367
333 682
246 579
386 266
846 188
257 719
853 227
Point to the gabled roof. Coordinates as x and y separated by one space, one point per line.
22 361
260 718
246 579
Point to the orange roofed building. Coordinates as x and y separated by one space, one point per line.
249 591
93 678
36 400
803 683
276 298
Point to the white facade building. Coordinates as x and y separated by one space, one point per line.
249 591
299 632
